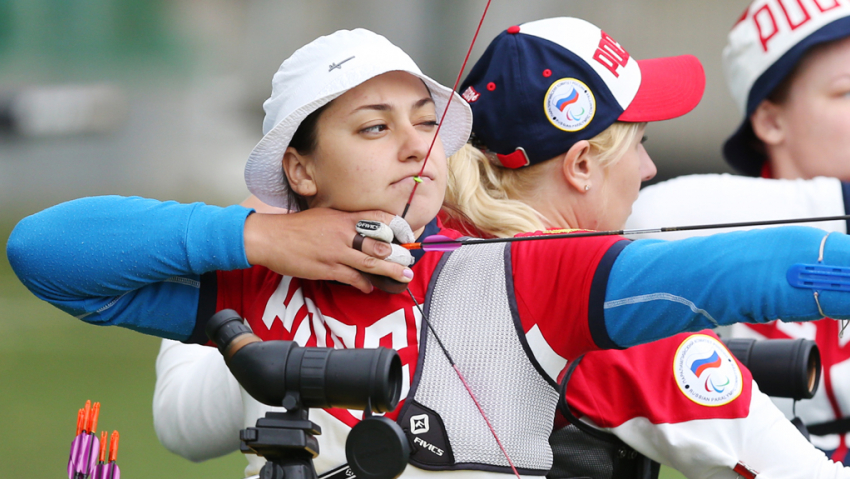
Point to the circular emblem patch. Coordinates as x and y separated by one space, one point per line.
705 371
569 104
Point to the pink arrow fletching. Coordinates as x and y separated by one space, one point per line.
84 458
100 471
106 471
92 453
81 465
447 244
76 446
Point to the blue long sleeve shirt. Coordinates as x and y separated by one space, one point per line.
136 263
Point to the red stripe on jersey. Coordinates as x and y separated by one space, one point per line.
612 387
552 281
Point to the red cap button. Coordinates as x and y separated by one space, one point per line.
513 30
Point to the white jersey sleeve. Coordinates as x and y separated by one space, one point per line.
197 403
702 199
709 449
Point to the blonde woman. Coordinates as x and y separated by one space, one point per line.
646 398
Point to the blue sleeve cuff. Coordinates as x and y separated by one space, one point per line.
596 303
215 238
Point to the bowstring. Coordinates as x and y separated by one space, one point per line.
404 213
463 381
448 103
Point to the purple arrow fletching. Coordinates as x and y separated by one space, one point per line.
106 471
94 449
446 243
100 471
76 447
81 460
86 457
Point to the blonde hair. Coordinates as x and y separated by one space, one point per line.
492 199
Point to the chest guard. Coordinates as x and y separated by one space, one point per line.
471 306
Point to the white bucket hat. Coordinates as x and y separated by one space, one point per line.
316 74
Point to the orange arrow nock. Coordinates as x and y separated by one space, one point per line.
95 415
81 417
113 446
87 416
102 457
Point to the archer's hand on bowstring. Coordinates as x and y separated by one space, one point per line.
318 244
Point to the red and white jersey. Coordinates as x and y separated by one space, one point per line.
687 403
556 319
688 377
328 314
700 199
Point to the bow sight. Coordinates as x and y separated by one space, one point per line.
281 373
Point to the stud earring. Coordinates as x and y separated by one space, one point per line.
586 187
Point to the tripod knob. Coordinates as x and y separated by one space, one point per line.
272 471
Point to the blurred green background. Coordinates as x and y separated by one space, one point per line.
174 108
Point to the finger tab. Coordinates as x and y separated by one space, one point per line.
401 230
375 230
400 255
386 284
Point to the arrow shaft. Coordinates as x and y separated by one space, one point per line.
667 229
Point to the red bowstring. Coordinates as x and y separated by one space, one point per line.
463 381
448 103
407 207
492 431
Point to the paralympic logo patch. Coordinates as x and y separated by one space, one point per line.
705 371
569 104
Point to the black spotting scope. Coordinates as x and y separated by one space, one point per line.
322 377
788 368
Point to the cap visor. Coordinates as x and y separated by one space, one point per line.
669 88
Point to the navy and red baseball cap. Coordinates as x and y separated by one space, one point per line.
542 86
765 45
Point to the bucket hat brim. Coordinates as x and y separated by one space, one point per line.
264 173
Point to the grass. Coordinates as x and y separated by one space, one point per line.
50 364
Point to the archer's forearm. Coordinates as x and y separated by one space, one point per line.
658 288
133 262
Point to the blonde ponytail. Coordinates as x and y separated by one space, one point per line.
486 196
492 199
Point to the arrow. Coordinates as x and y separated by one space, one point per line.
444 243
84 461
108 470
76 444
